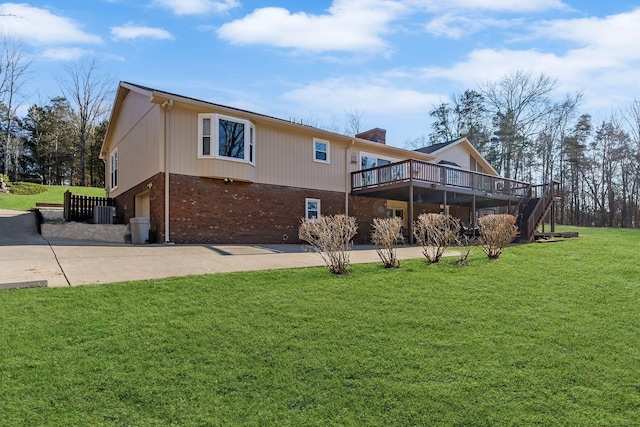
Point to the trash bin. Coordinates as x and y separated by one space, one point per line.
139 230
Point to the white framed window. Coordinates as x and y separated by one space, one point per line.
321 150
226 137
312 209
113 160
368 161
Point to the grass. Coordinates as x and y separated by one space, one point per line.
548 335
53 194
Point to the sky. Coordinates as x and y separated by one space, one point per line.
388 61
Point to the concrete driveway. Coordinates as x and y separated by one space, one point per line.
27 259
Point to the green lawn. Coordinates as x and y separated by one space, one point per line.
54 194
548 335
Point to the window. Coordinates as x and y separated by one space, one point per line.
252 144
226 137
206 137
320 150
371 161
312 209
368 161
474 165
114 169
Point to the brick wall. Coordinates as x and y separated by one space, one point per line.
125 204
206 210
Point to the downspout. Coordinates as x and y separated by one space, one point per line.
167 128
347 178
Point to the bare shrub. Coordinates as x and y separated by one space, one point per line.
496 232
435 232
466 245
331 237
387 233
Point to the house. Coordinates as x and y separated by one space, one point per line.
208 173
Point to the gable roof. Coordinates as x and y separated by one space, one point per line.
160 96
437 149
434 147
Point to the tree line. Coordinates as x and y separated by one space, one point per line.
527 131
57 142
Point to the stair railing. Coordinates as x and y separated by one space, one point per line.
541 209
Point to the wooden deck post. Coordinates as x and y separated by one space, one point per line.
410 222
445 202
474 219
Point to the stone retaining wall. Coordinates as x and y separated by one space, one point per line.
109 233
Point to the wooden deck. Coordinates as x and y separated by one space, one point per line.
415 181
540 236
429 182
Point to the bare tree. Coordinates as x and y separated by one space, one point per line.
353 125
518 102
631 117
89 91
13 69
415 143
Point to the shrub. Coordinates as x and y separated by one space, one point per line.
466 245
331 237
435 232
387 233
27 188
496 232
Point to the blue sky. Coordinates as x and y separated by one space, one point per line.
389 60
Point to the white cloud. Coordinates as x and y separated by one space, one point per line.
457 26
490 5
615 36
368 96
603 61
66 53
130 31
41 27
349 26
197 7
458 18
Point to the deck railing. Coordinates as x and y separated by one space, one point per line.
545 195
419 171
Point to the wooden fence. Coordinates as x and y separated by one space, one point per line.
80 208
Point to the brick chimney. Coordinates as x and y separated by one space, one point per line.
375 135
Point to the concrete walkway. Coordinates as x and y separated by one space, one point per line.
26 259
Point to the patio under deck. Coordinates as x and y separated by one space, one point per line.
415 181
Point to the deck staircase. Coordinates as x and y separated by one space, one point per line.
533 207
